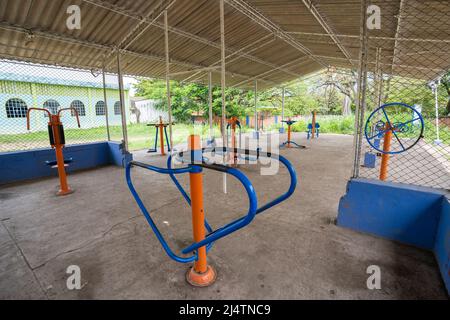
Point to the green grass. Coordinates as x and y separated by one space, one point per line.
141 136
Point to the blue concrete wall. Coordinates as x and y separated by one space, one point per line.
442 245
413 215
26 165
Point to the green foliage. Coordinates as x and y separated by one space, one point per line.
193 98
341 125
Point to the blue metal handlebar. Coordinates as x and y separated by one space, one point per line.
147 216
241 222
197 167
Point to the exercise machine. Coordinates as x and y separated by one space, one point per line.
392 123
161 131
201 273
233 125
57 142
313 128
313 131
289 143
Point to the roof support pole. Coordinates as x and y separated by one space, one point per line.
122 103
362 90
169 102
211 133
283 93
223 84
379 81
106 104
256 106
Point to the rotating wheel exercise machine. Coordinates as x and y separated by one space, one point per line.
202 274
57 142
392 122
161 130
289 143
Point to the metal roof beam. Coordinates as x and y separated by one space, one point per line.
180 32
107 48
257 77
275 29
327 27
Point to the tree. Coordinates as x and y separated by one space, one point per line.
445 82
193 97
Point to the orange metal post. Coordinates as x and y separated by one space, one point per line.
161 136
201 274
64 186
313 131
385 156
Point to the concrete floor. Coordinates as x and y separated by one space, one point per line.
293 251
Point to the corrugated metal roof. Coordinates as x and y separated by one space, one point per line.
36 31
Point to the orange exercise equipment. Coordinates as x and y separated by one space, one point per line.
57 142
289 143
161 131
201 274
399 125
233 124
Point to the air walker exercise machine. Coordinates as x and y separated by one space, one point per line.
161 130
313 128
289 143
234 128
57 142
202 274
400 132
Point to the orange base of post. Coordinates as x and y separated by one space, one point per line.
201 279
65 192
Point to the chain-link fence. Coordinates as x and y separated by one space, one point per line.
407 61
24 86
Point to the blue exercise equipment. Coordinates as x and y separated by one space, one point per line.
157 128
54 163
395 119
289 143
195 162
317 130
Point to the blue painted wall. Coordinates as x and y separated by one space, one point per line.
26 165
413 215
442 245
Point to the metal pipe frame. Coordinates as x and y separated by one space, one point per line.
276 30
210 101
283 93
104 48
122 103
167 61
362 90
106 104
326 26
256 106
180 32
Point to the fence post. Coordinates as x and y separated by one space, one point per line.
106 104
122 103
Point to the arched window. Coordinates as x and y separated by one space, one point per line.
16 108
117 108
100 108
79 106
52 106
